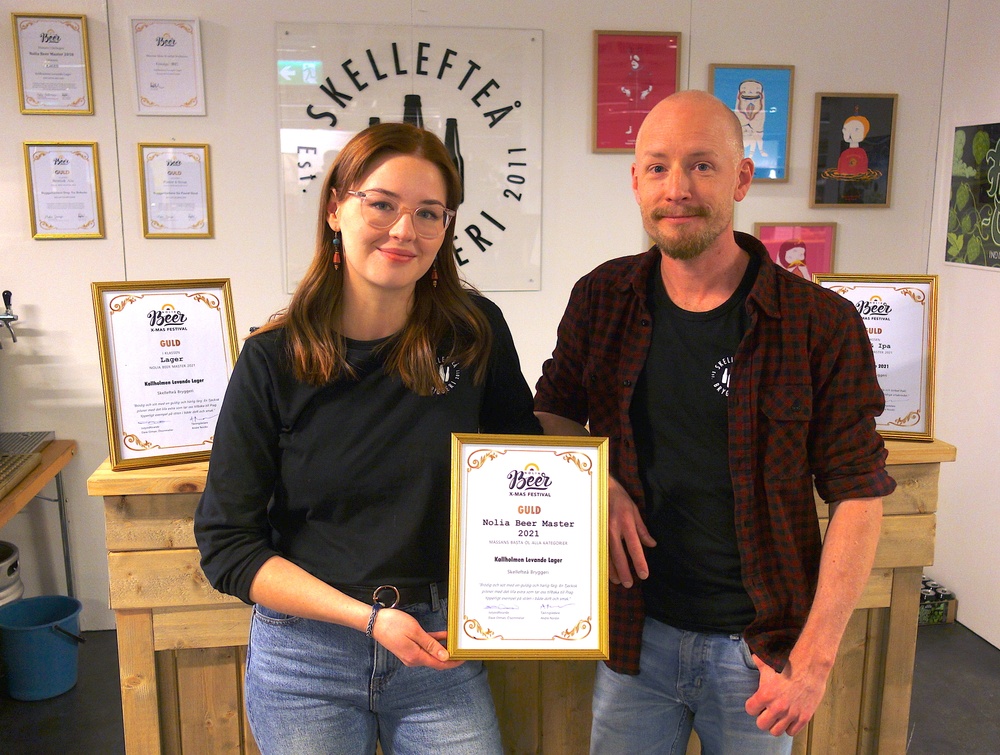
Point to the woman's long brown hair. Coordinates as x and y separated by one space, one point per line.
442 315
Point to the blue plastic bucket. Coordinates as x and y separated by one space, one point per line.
39 638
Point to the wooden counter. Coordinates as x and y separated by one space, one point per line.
182 645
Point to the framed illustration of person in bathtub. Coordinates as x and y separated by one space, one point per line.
761 97
801 248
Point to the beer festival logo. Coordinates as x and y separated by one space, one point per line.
479 90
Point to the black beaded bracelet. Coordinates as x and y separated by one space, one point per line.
371 619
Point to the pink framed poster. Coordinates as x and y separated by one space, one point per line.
632 72
801 248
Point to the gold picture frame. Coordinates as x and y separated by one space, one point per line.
167 350
175 183
528 576
900 314
64 190
52 55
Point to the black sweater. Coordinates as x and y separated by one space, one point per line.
350 480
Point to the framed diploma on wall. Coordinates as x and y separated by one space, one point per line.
168 69
529 564
53 64
900 314
176 185
167 350
64 190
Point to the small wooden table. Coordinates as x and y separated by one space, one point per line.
55 456
182 645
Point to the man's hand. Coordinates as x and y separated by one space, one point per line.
627 534
784 703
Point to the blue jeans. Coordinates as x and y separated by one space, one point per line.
686 679
314 687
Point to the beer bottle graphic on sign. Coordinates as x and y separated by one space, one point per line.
411 110
451 143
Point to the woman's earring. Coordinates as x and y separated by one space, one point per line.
336 250
434 274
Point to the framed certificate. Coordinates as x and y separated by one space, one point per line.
64 190
53 64
900 313
168 71
176 186
167 351
529 559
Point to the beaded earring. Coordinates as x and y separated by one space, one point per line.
434 274
336 250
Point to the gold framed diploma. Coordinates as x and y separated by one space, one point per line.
64 190
529 550
53 64
900 314
176 185
167 350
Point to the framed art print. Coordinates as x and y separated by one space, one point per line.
761 97
974 207
632 72
801 248
852 150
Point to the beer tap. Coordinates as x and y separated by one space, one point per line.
7 317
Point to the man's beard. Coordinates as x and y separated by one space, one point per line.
688 244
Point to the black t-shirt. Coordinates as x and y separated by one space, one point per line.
679 415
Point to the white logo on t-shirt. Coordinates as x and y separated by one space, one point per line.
720 375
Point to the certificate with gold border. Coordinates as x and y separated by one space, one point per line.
900 315
529 549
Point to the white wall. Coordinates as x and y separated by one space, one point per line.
968 395
51 379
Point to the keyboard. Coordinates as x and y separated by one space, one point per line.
14 468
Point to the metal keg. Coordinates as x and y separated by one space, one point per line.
11 587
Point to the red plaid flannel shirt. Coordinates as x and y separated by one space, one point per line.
802 401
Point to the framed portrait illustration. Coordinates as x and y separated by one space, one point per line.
900 315
632 72
176 186
53 64
761 97
801 248
852 150
167 350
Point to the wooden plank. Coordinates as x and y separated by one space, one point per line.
516 687
169 701
223 626
878 590
566 693
905 541
841 705
55 455
871 685
901 646
155 579
207 683
149 522
137 673
177 478
919 452
248 742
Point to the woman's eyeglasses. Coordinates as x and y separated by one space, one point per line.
429 221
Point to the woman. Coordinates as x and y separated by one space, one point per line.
327 501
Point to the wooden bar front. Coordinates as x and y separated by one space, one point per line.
182 645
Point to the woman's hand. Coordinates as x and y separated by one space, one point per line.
402 635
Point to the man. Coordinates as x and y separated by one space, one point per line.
727 387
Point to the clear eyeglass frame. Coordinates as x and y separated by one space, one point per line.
424 227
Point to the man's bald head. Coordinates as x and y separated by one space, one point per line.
699 106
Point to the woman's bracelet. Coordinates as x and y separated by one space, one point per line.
371 619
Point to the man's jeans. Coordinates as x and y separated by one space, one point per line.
686 679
